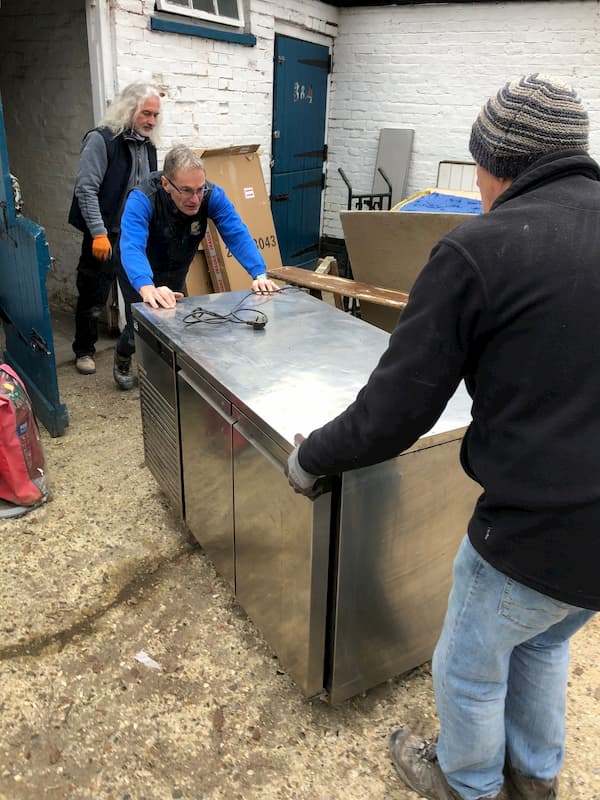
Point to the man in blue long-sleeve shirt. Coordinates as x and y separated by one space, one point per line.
164 220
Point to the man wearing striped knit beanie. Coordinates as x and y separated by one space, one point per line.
508 302
526 120
500 682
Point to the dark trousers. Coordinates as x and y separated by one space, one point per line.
94 281
175 280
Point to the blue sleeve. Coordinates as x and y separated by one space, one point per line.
135 224
234 232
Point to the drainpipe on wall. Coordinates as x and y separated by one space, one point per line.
101 54
101 48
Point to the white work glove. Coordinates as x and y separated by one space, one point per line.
301 481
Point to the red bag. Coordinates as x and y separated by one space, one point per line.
22 465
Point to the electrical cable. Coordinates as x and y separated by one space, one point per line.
236 314
214 318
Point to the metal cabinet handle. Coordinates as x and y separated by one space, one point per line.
206 397
258 446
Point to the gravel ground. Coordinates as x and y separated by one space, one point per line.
104 572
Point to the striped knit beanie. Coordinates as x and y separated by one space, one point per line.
528 118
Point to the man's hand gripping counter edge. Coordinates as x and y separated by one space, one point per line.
301 481
163 297
159 296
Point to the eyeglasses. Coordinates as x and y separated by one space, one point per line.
188 192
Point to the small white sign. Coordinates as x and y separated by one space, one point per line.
248 192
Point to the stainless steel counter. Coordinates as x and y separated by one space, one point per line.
351 589
305 367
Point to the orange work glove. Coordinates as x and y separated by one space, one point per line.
101 248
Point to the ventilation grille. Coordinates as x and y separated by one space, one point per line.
161 440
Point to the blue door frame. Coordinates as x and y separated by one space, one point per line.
298 152
24 310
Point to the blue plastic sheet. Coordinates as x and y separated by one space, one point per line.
444 203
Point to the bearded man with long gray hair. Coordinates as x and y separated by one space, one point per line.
115 157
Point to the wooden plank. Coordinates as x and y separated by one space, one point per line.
324 265
342 286
332 269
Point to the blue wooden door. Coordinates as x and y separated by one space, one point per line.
24 262
300 101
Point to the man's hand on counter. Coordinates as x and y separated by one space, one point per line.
301 481
263 285
159 296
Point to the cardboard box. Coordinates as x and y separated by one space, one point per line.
237 170
389 249
198 279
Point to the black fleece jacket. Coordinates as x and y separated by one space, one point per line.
509 301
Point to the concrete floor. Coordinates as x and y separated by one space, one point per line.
105 572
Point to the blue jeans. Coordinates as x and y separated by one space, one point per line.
500 678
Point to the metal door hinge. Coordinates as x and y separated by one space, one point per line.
38 342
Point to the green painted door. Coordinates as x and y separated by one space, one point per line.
24 262
301 79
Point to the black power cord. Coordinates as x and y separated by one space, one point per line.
237 315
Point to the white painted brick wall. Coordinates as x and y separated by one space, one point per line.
426 67
431 67
217 93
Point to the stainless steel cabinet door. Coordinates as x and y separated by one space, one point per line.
401 523
281 556
206 423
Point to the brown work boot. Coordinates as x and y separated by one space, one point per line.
417 765
522 788
123 371
85 365
416 762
